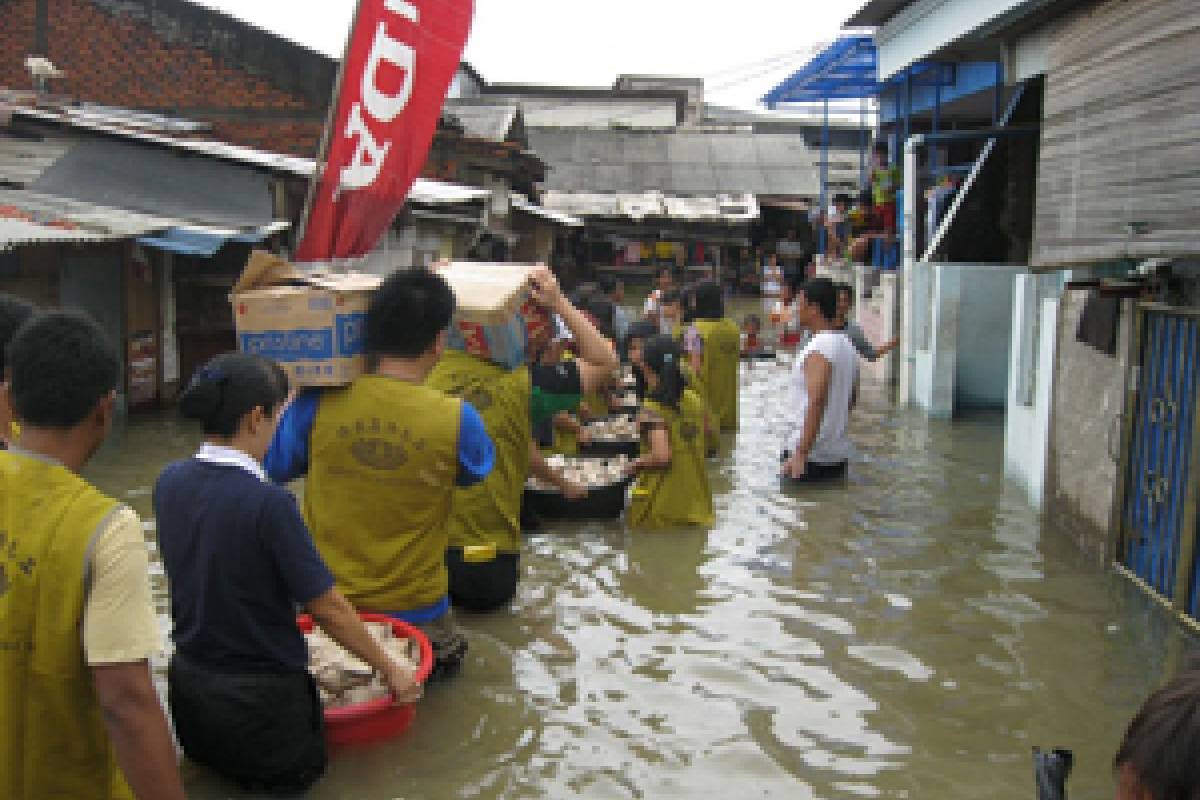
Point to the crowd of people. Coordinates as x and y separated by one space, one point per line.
412 507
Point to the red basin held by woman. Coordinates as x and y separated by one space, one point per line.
375 720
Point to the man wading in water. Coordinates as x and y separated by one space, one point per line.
823 390
79 716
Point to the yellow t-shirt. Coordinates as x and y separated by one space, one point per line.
119 623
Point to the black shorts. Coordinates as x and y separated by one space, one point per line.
815 472
263 731
483 586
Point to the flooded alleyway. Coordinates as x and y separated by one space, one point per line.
910 635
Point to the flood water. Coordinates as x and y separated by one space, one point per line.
912 634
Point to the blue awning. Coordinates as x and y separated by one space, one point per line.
848 69
205 242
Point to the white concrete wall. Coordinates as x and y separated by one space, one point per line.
985 314
1027 421
961 327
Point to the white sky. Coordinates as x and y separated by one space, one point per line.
577 43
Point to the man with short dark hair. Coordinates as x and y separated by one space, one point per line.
823 386
483 557
1159 758
14 312
383 457
79 715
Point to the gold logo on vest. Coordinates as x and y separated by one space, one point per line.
380 445
729 348
8 550
471 390
688 430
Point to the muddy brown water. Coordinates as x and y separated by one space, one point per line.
911 634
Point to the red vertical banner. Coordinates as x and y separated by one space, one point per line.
400 62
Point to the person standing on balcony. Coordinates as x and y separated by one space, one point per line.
885 181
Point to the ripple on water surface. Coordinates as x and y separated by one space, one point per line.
909 635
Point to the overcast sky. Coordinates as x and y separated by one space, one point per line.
741 48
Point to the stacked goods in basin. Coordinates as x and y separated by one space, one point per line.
358 708
611 436
605 478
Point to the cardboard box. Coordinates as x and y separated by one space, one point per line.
495 317
488 293
313 325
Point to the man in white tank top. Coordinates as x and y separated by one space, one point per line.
823 390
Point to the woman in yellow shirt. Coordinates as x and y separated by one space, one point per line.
672 481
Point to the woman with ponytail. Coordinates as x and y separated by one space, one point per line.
672 482
239 561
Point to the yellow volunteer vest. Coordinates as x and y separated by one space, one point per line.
713 442
722 360
490 511
567 442
678 495
53 742
383 459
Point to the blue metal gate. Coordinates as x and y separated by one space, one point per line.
1159 515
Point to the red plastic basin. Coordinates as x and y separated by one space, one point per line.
374 720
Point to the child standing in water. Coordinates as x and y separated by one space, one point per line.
672 482
239 560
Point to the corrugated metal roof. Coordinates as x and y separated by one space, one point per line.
14 232
30 217
874 13
676 162
27 162
491 121
438 193
22 161
520 203
223 150
104 221
728 208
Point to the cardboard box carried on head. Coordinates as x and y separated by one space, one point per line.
496 317
313 324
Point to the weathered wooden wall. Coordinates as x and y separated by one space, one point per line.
1121 135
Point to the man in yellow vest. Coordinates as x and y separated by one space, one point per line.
14 312
79 715
485 523
383 457
714 353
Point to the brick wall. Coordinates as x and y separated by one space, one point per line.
177 58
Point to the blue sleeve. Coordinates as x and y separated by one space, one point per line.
287 457
476 453
287 538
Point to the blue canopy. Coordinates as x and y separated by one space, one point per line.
848 69
200 242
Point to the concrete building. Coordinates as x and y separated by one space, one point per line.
1093 210
648 160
